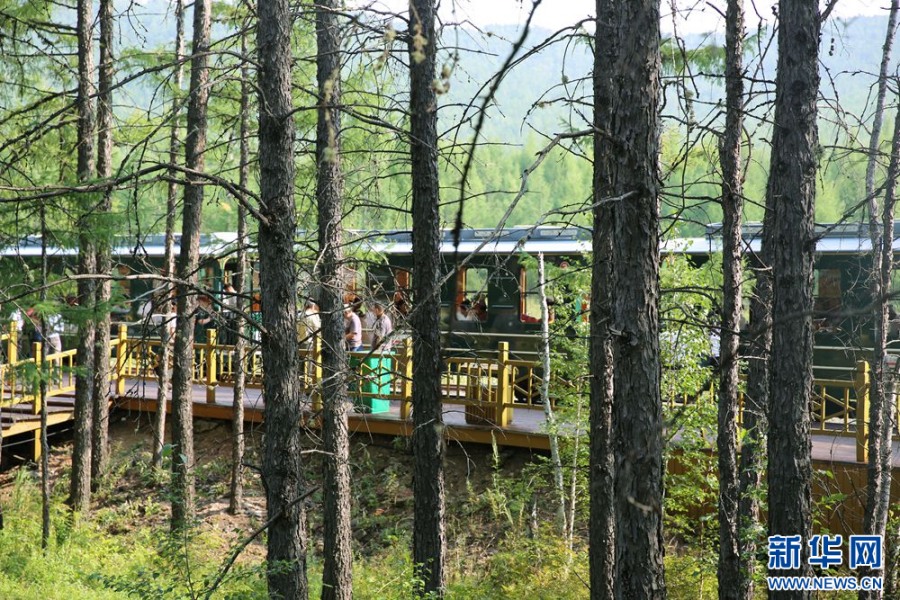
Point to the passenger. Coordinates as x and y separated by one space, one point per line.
479 309
367 320
401 305
381 328
53 325
204 319
230 316
308 324
464 311
352 330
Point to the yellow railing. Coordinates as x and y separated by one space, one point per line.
489 386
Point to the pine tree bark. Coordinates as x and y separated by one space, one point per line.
792 189
165 351
429 540
282 472
881 405
626 110
602 528
80 492
100 435
337 581
188 264
733 578
882 408
756 408
240 343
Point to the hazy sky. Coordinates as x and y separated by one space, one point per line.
691 16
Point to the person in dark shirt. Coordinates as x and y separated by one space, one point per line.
352 329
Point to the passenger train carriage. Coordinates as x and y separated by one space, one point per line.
842 311
492 296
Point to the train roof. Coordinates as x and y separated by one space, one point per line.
841 238
832 238
549 240
211 244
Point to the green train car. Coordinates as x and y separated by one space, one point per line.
843 303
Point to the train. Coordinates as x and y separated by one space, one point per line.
843 318
489 294
490 291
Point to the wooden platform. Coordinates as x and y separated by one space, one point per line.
525 431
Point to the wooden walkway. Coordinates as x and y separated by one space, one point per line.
526 430
487 384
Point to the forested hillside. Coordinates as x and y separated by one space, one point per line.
546 94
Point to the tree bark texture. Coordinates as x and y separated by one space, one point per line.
429 540
282 462
188 265
602 529
337 581
733 579
629 64
882 407
100 451
792 190
240 343
80 492
165 352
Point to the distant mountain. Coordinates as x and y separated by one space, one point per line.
851 54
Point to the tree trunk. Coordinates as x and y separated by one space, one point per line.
188 264
240 343
45 445
80 493
165 352
792 189
100 452
282 462
881 407
337 581
626 109
882 410
555 460
734 582
429 541
602 528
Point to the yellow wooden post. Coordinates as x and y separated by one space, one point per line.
121 356
12 343
36 357
36 404
12 356
211 366
314 373
406 373
861 382
504 385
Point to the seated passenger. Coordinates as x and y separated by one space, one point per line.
479 309
464 311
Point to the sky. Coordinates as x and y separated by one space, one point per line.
689 16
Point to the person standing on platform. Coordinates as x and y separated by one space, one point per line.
229 316
352 329
381 328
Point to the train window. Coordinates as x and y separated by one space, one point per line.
827 293
402 285
530 296
471 294
354 281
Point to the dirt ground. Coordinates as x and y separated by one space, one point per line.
381 467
